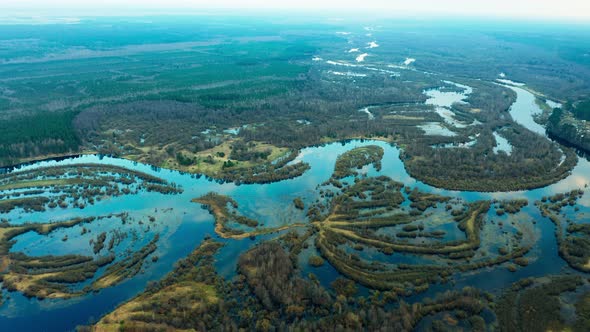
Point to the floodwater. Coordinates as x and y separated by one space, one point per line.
182 225
502 144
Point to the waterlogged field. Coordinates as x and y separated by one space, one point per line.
288 176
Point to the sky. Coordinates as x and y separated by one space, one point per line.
578 10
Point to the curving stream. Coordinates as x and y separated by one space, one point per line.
182 225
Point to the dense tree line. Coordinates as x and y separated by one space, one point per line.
37 135
568 125
581 110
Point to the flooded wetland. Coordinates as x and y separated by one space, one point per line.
279 179
84 233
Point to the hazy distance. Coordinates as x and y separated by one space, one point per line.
566 10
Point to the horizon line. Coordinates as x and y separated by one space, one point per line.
340 14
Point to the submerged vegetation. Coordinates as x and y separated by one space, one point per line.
65 188
365 211
47 276
369 214
386 241
309 152
223 208
127 267
54 276
573 239
511 206
75 186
